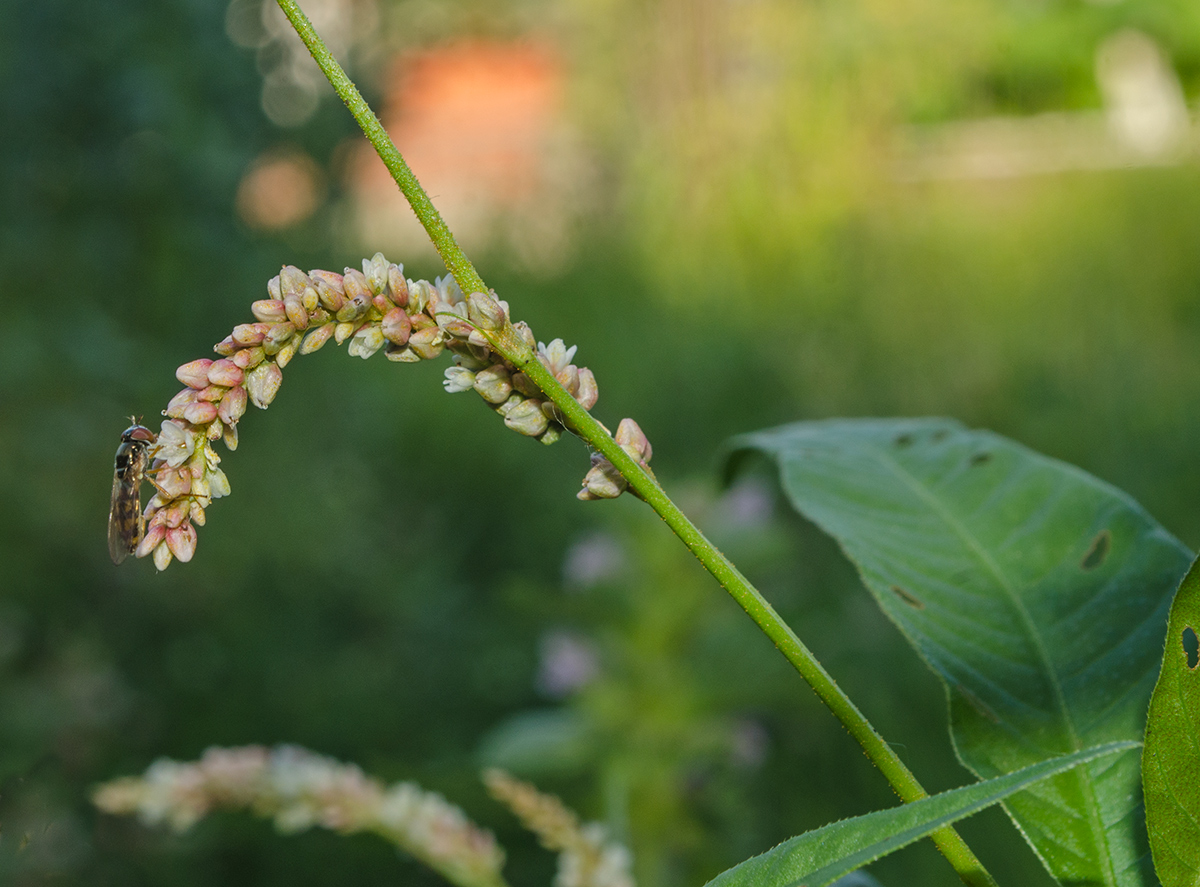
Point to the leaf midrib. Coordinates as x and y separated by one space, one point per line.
943 512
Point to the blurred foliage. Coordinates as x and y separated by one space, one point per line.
391 562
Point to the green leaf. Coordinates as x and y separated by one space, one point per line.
820 857
1036 592
1171 759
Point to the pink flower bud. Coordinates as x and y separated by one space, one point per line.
250 333
175 514
427 343
493 384
200 413
527 418
397 285
173 482
154 535
213 394
196 514
177 403
344 331
396 326
225 372
396 354
232 406
329 289
568 378
589 393
273 289
382 303
182 542
292 280
194 374
231 436
268 310
357 290
225 347
631 439
162 556
262 384
278 336
485 312
294 308
316 338
248 358
603 481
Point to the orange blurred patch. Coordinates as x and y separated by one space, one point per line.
478 123
279 190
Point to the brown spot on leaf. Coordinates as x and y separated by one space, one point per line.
1097 551
911 599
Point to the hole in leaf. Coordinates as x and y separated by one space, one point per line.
980 458
911 599
903 440
1191 646
1097 551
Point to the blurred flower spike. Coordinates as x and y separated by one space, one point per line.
299 789
373 309
586 857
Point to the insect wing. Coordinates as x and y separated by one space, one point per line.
125 525
123 520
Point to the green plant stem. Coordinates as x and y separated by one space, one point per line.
948 841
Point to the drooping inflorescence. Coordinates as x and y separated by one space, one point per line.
300 789
373 309
587 857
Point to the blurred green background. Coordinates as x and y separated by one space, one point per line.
744 212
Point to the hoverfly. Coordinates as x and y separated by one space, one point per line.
125 522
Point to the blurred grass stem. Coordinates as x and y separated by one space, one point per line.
579 420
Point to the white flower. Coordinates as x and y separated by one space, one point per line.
175 444
458 379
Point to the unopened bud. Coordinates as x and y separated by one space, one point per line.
194 374
427 343
173 482
268 310
273 289
382 304
524 384
176 405
398 354
245 334
397 285
287 352
420 292
329 289
527 418
225 372
293 280
525 333
232 406
262 384
588 393
631 439
278 336
551 435
358 293
213 393
248 358
219 483
568 378
199 413
162 556
155 534
603 481
493 384
226 347
344 331
231 436
293 304
396 326
182 542
316 338
485 312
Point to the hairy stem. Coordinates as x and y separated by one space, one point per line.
579 420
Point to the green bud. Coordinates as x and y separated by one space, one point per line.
268 310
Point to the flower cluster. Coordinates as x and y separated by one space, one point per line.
300 789
373 309
586 857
